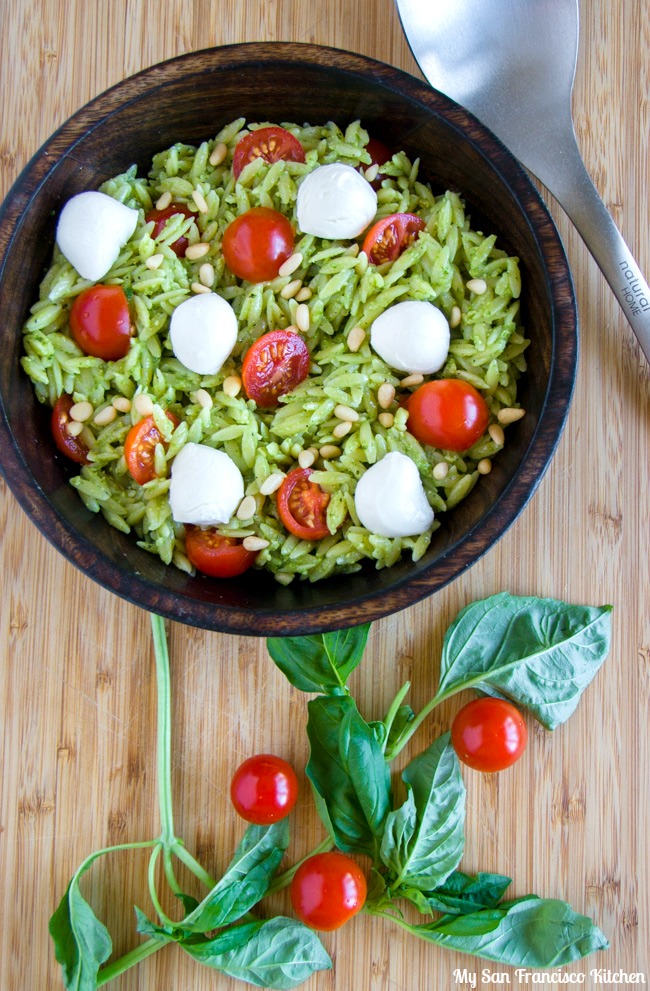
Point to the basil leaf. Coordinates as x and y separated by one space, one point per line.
200 945
148 928
424 839
540 653
403 718
532 932
81 942
462 893
320 663
349 773
280 953
245 881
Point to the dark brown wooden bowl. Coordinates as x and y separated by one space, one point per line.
188 99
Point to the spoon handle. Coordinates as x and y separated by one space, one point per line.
572 187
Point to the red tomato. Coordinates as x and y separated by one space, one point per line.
327 890
269 143
489 734
256 244
387 239
302 506
215 555
264 789
379 155
140 447
275 364
160 218
72 447
447 413
100 322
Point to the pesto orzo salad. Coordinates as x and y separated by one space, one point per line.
276 350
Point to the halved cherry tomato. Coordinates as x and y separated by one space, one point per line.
274 365
447 413
160 218
327 890
387 239
215 555
302 505
489 734
73 447
379 155
256 244
264 789
270 143
100 322
140 448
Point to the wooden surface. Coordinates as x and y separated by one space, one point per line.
78 695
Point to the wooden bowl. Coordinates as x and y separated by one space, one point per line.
188 99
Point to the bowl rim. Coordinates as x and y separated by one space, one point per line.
144 592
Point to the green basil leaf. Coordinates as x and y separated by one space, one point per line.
199 945
81 942
532 932
403 718
148 928
462 893
189 902
540 653
320 663
424 838
280 953
348 771
245 881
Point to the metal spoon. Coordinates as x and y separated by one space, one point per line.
512 64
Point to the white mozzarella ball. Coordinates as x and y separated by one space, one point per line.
390 499
335 201
206 486
203 332
92 229
412 336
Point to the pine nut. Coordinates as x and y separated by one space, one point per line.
386 420
273 482
105 416
510 414
247 507
372 172
303 294
346 413
496 433
199 199
385 394
154 261
341 429
289 266
484 467
356 337
163 200
74 428
219 153
291 289
143 404
329 451
122 404
206 274
455 317
203 398
81 411
198 288
253 543
477 286
197 250
302 317
292 329
440 471
232 385
414 379
306 458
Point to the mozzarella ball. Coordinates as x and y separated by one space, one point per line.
203 332
92 229
335 201
206 486
390 499
412 336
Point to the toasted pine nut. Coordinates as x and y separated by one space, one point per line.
484 467
197 250
105 416
455 317
143 404
356 337
496 433
301 317
247 507
198 288
329 451
289 266
206 274
122 404
372 172
74 427
254 543
346 413
385 394
203 398
510 414
386 420
291 289
163 200
307 458
414 379
303 294
362 263
199 199
232 386
440 471
271 483
218 154
155 261
81 411
341 429
477 286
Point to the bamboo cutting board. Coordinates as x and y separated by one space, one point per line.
78 694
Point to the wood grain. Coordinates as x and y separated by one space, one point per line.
78 695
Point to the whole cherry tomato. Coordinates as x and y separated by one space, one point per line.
327 890
447 413
489 734
264 789
387 239
73 447
215 555
270 143
160 218
100 322
302 505
140 448
256 244
275 364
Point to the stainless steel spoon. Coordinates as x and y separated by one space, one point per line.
512 64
